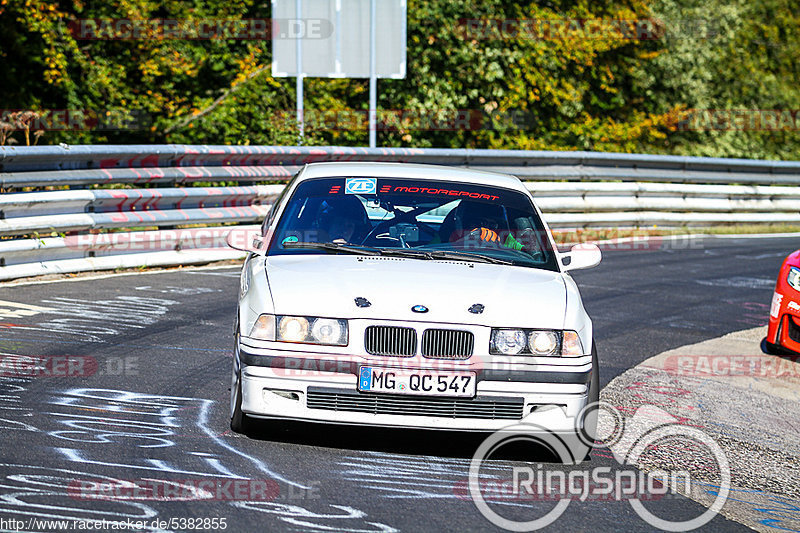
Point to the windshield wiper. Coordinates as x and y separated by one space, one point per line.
397 252
333 247
465 256
406 252
438 254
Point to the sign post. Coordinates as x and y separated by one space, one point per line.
373 80
339 39
299 86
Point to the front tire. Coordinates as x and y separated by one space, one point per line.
586 431
769 348
240 422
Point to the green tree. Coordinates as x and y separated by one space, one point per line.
523 86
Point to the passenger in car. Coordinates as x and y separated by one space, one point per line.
478 222
343 220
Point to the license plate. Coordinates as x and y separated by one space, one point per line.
421 382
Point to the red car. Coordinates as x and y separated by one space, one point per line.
784 317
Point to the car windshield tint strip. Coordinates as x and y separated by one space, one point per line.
420 218
423 188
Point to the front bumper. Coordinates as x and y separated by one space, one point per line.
787 333
784 320
322 387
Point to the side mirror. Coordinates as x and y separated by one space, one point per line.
247 240
584 255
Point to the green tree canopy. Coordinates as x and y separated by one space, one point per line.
635 76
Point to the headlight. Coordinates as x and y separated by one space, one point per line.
312 330
327 331
536 342
793 279
543 342
293 329
508 341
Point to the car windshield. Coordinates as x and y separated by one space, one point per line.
419 219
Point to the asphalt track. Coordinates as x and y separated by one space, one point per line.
134 386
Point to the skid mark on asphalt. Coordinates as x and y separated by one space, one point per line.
203 422
108 436
221 274
739 282
89 320
184 291
40 491
104 317
142 421
781 255
320 521
11 406
123 433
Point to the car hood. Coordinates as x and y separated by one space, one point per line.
327 285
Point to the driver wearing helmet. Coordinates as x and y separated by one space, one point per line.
481 223
342 220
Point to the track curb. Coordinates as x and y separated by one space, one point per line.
747 402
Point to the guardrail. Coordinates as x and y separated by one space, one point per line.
43 230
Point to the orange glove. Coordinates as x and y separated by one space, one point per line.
486 235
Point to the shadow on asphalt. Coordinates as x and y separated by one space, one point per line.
438 443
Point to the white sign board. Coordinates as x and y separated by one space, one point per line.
344 51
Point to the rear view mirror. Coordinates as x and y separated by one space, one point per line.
246 240
584 255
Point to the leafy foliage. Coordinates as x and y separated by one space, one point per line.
565 89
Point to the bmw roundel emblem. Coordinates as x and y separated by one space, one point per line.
419 309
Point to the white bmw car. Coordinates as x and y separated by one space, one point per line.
387 294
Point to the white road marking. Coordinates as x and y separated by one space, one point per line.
19 310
